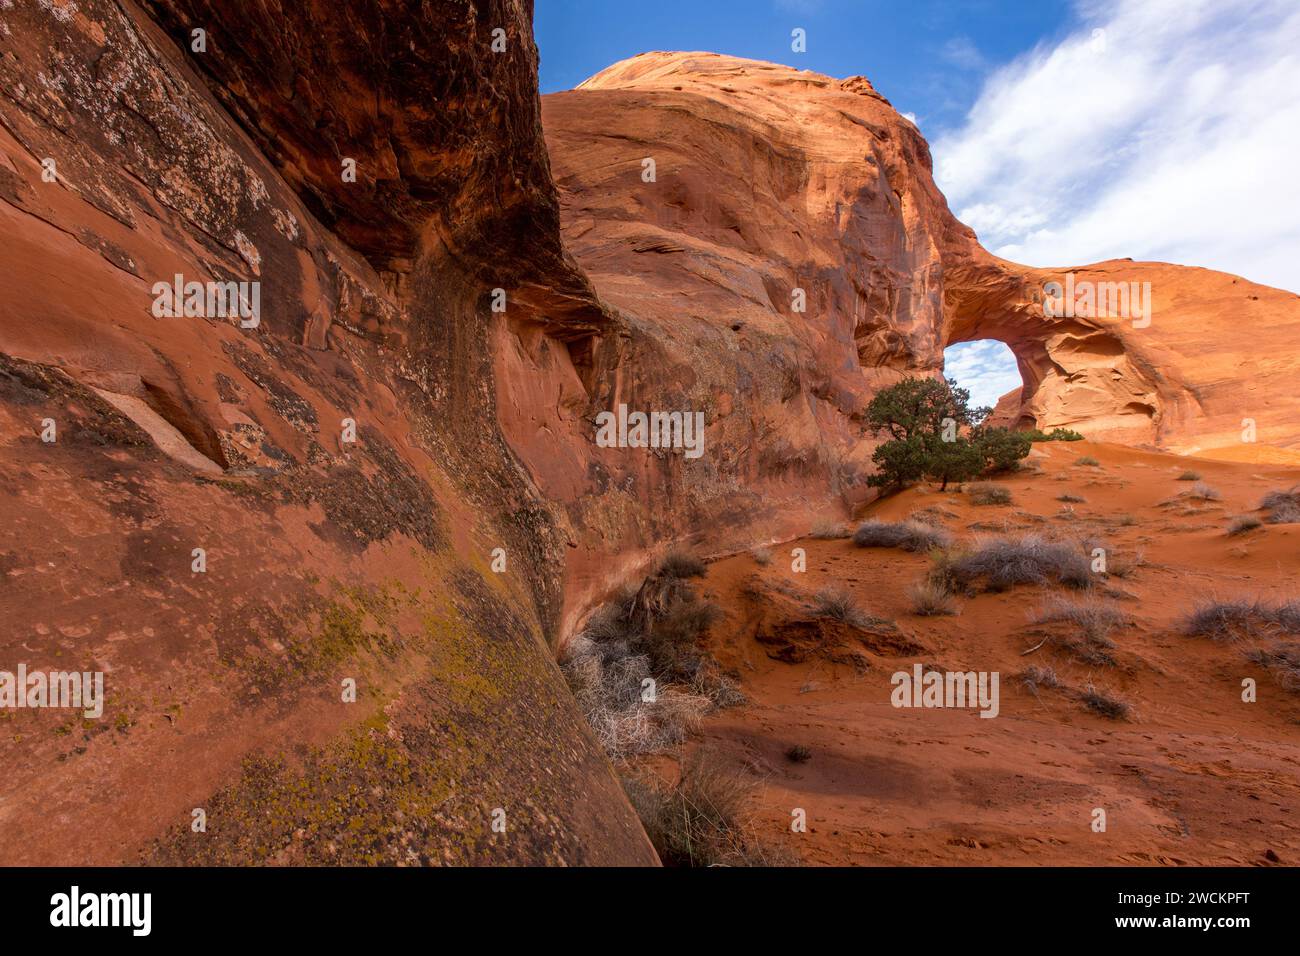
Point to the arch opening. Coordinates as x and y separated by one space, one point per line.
990 371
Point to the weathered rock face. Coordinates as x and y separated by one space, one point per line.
1209 353
770 178
199 525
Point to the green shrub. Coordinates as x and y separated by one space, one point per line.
1001 448
924 420
1056 434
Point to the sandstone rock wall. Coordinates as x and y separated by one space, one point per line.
771 178
326 560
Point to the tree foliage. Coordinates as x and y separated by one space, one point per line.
934 433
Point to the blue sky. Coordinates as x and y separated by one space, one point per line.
926 56
1063 131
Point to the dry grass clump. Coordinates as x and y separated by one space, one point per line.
701 820
798 754
931 598
1072 499
1283 507
682 564
1092 617
1087 460
1029 559
1203 492
1243 523
1189 476
762 556
1282 662
1227 620
1093 622
1122 565
1105 703
654 634
1040 678
826 531
931 515
907 535
839 605
987 493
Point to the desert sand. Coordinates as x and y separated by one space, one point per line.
1192 776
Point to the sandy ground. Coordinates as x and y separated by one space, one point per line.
1194 776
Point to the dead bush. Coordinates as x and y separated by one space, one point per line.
701 820
1030 559
907 535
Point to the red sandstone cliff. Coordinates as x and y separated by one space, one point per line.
327 560
771 178
373 560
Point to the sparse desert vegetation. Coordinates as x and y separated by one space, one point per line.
1283 507
1282 662
987 493
838 604
1189 476
907 535
931 598
1056 434
1092 616
762 556
1029 559
1028 588
1091 623
1037 678
654 633
829 531
1235 618
702 819
1123 564
682 564
1105 703
1243 523
798 754
1087 461
1203 492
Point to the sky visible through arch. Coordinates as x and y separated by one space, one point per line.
986 367
1063 131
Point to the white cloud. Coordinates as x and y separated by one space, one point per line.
986 367
963 53
1160 129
